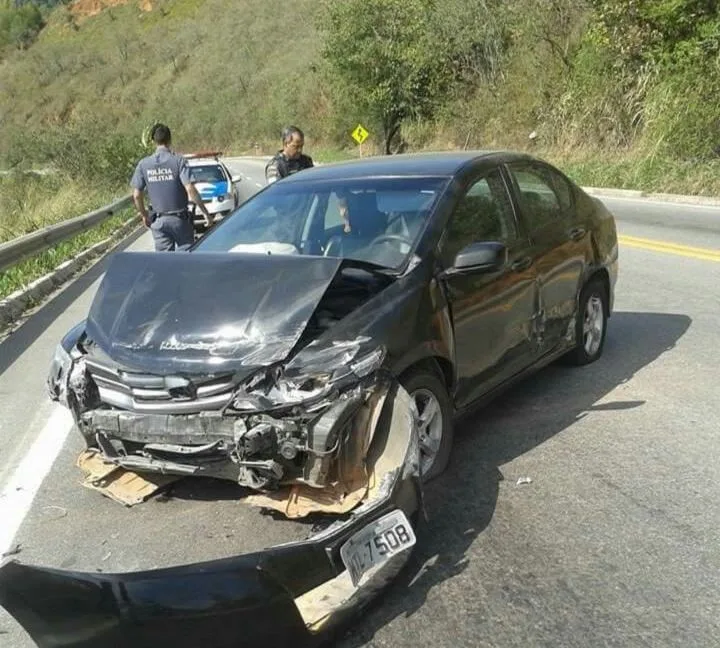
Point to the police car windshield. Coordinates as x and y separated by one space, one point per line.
373 220
207 173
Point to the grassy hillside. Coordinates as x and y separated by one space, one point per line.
217 70
222 73
606 89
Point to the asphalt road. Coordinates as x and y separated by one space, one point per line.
612 543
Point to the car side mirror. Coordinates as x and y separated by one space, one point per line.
235 178
485 256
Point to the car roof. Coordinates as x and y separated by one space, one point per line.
444 164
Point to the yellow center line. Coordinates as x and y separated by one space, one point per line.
705 254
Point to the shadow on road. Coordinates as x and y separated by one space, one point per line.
461 503
27 333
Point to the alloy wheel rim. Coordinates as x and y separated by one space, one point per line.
593 325
430 424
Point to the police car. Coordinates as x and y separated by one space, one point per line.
215 183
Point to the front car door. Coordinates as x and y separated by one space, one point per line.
561 247
492 312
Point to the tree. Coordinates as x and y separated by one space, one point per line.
473 37
383 58
19 26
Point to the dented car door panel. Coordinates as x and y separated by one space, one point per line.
492 310
492 322
560 247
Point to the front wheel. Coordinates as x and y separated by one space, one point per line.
591 324
435 429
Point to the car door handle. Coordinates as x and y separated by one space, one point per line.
576 233
521 264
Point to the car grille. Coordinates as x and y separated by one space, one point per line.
153 394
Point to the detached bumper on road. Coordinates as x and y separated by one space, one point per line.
293 594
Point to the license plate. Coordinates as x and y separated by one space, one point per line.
376 544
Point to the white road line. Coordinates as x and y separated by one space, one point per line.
18 495
257 184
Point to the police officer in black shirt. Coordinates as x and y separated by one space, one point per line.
166 177
290 159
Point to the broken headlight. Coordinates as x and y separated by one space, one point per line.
369 363
333 368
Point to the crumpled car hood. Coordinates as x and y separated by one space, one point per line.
205 312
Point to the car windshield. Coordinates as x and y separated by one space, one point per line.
373 220
207 173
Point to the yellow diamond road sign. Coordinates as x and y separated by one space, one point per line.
360 134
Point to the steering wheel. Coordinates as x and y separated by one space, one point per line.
397 238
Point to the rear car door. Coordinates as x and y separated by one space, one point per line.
561 247
492 312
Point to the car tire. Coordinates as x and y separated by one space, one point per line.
436 431
590 325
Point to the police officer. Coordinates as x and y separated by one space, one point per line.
166 177
290 159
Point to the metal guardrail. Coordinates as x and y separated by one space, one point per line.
20 248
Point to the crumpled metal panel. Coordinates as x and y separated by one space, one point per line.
205 312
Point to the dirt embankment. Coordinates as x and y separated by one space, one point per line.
86 8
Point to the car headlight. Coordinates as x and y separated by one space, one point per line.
368 363
336 367
343 365
351 367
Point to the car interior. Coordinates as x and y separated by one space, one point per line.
374 224
378 231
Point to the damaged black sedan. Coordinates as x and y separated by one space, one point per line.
315 347
249 358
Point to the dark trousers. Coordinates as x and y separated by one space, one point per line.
172 232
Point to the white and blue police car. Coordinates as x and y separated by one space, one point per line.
215 183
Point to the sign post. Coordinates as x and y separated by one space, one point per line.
360 134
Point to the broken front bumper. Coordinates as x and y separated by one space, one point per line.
289 595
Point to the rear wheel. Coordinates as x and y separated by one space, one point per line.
435 428
591 324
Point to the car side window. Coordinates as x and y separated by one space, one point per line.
333 216
545 198
563 190
484 213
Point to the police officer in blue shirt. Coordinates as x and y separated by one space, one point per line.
166 177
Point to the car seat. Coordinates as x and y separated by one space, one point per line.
367 222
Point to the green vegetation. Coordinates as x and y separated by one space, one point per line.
19 25
617 92
388 70
25 272
30 201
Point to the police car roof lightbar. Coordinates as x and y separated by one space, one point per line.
202 154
